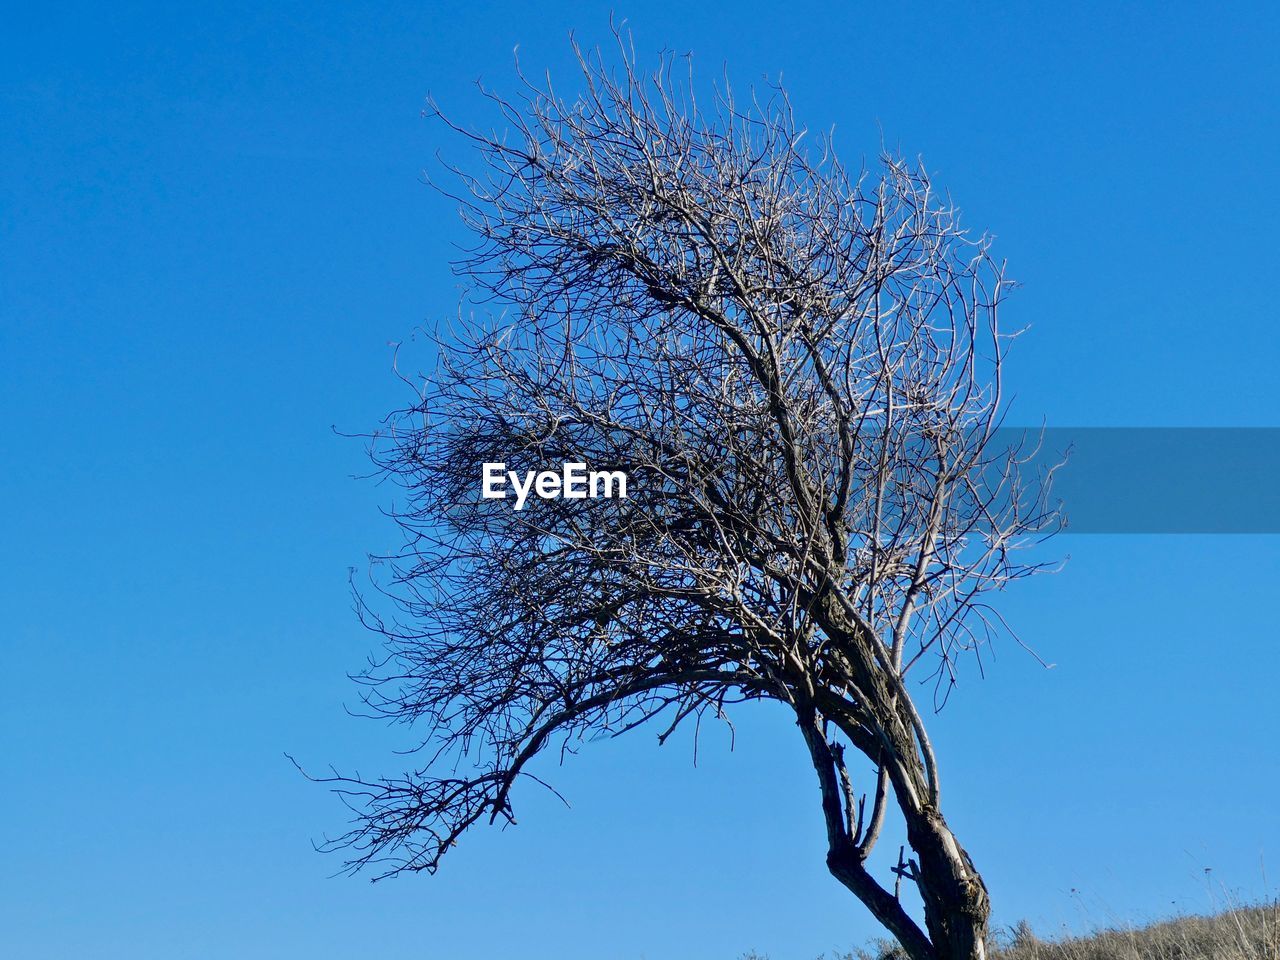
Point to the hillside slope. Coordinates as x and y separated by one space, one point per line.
1246 933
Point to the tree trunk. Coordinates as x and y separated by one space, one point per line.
955 899
956 906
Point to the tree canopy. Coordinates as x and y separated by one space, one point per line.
798 366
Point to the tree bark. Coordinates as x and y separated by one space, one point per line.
956 905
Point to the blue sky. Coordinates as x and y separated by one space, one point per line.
212 224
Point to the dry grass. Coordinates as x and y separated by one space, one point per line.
1243 933
1240 933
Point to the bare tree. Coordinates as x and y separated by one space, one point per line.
798 367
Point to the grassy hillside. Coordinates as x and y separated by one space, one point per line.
1244 933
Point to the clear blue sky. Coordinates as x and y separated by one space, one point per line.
212 224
